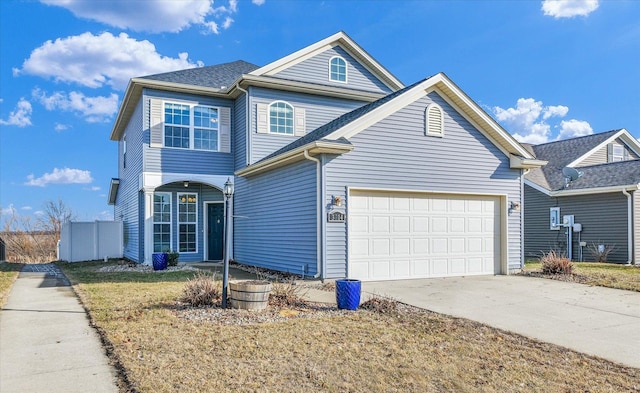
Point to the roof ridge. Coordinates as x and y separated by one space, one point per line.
580 137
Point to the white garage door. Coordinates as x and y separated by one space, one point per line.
406 235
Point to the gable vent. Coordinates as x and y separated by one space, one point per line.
434 120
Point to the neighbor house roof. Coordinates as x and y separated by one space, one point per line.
340 130
570 152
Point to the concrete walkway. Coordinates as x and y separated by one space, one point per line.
599 321
46 343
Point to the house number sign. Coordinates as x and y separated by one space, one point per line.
336 216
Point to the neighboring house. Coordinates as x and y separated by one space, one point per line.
603 198
339 169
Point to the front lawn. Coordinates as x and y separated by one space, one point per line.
609 275
363 351
8 273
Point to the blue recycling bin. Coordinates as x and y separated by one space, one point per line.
160 260
348 293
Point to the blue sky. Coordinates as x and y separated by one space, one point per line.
544 69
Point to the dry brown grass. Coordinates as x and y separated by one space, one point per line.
8 274
608 275
361 351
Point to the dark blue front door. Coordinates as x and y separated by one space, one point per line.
215 231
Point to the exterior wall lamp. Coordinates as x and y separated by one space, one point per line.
186 183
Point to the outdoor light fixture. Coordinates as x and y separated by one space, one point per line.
228 195
186 183
228 189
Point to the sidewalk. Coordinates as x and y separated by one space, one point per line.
46 343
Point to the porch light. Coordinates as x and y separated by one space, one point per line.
228 196
186 183
228 189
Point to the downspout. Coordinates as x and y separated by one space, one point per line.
524 173
629 228
247 126
318 214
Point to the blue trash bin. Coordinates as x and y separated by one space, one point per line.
160 260
348 293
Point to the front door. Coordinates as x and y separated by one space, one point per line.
215 231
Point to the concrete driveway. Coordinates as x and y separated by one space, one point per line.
598 321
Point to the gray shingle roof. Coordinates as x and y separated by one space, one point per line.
561 153
325 130
214 76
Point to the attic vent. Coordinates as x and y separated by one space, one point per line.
434 117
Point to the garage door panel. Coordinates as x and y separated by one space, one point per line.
401 224
401 246
411 235
439 245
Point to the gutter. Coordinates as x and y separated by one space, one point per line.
300 153
318 213
629 227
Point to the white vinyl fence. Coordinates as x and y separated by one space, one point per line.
86 241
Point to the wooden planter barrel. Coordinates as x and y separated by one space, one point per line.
249 295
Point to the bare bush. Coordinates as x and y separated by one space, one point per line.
202 290
554 263
380 305
286 294
600 254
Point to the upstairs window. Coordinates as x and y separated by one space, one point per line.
190 126
337 69
434 120
617 153
281 118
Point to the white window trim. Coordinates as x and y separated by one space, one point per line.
427 129
162 222
293 119
178 222
346 70
191 126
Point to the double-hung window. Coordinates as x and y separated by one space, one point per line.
618 153
161 222
187 222
190 126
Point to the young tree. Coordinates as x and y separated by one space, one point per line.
56 213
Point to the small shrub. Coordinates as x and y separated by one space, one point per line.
202 290
600 254
286 294
380 305
172 258
553 263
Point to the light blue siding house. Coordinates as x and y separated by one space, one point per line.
339 169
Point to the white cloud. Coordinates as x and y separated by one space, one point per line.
98 60
93 109
26 208
93 188
7 211
38 213
227 23
60 176
529 121
154 16
105 215
569 8
212 27
558 110
60 127
573 128
20 116
258 2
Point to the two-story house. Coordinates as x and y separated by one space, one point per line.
595 180
339 169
